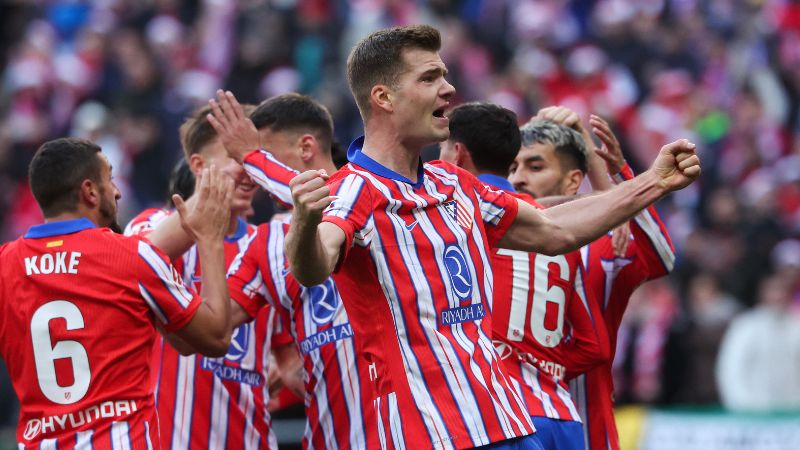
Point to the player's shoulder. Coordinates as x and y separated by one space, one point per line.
438 167
527 198
146 220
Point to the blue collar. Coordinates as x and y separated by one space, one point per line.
356 156
58 228
497 181
241 230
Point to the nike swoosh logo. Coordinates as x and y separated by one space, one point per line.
285 272
411 226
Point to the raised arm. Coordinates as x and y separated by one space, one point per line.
209 331
241 140
568 226
312 246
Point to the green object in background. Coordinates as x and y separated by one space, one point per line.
713 126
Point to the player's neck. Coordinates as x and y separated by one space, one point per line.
389 150
73 215
233 225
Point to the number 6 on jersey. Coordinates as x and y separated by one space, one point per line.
45 353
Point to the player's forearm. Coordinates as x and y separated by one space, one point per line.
585 219
170 237
309 261
597 172
271 175
216 300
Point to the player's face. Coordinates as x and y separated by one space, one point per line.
245 189
421 97
284 146
109 196
537 171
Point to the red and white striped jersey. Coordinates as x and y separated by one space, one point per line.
338 402
613 279
212 403
338 409
78 307
272 175
416 279
543 326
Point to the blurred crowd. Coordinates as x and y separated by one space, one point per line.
724 73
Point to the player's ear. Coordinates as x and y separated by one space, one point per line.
381 96
462 154
89 193
572 182
196 163
309 147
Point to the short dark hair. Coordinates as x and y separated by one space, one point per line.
377 59
181 181
490 133
57 170
196 131
295 113
568 143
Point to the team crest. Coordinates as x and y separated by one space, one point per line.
459 213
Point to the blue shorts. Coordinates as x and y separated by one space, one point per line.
530 442
557 434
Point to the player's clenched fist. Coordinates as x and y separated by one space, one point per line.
208 215
677 165
311 196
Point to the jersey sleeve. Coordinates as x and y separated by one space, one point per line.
351 210
272 175
246 281
654 246
589 345
498 210
163 290
146 221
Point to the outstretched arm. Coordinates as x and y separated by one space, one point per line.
312 247
241 139
566 227
209 331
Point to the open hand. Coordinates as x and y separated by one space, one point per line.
208 214
611 152
235 129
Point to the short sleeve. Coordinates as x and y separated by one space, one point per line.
498 210
351 210
272 175
163 290
246 282
146 221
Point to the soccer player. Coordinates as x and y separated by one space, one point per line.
79 305
215 402
542 322
298 132
410 242
543 168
